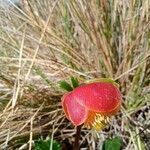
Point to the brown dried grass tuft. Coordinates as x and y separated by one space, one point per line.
43 42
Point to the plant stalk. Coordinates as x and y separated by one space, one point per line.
76 145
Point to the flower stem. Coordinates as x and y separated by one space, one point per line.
76 145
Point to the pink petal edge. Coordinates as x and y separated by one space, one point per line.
76 113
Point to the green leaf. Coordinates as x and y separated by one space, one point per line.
75 82
46 145
112 144
109 80
65 85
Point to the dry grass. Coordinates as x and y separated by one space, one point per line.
43 42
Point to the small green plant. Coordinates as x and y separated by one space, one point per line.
112 144
47 145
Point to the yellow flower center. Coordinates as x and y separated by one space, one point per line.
96 120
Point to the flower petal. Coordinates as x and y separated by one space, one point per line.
75 112
99 97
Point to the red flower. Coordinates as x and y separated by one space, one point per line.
92 104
